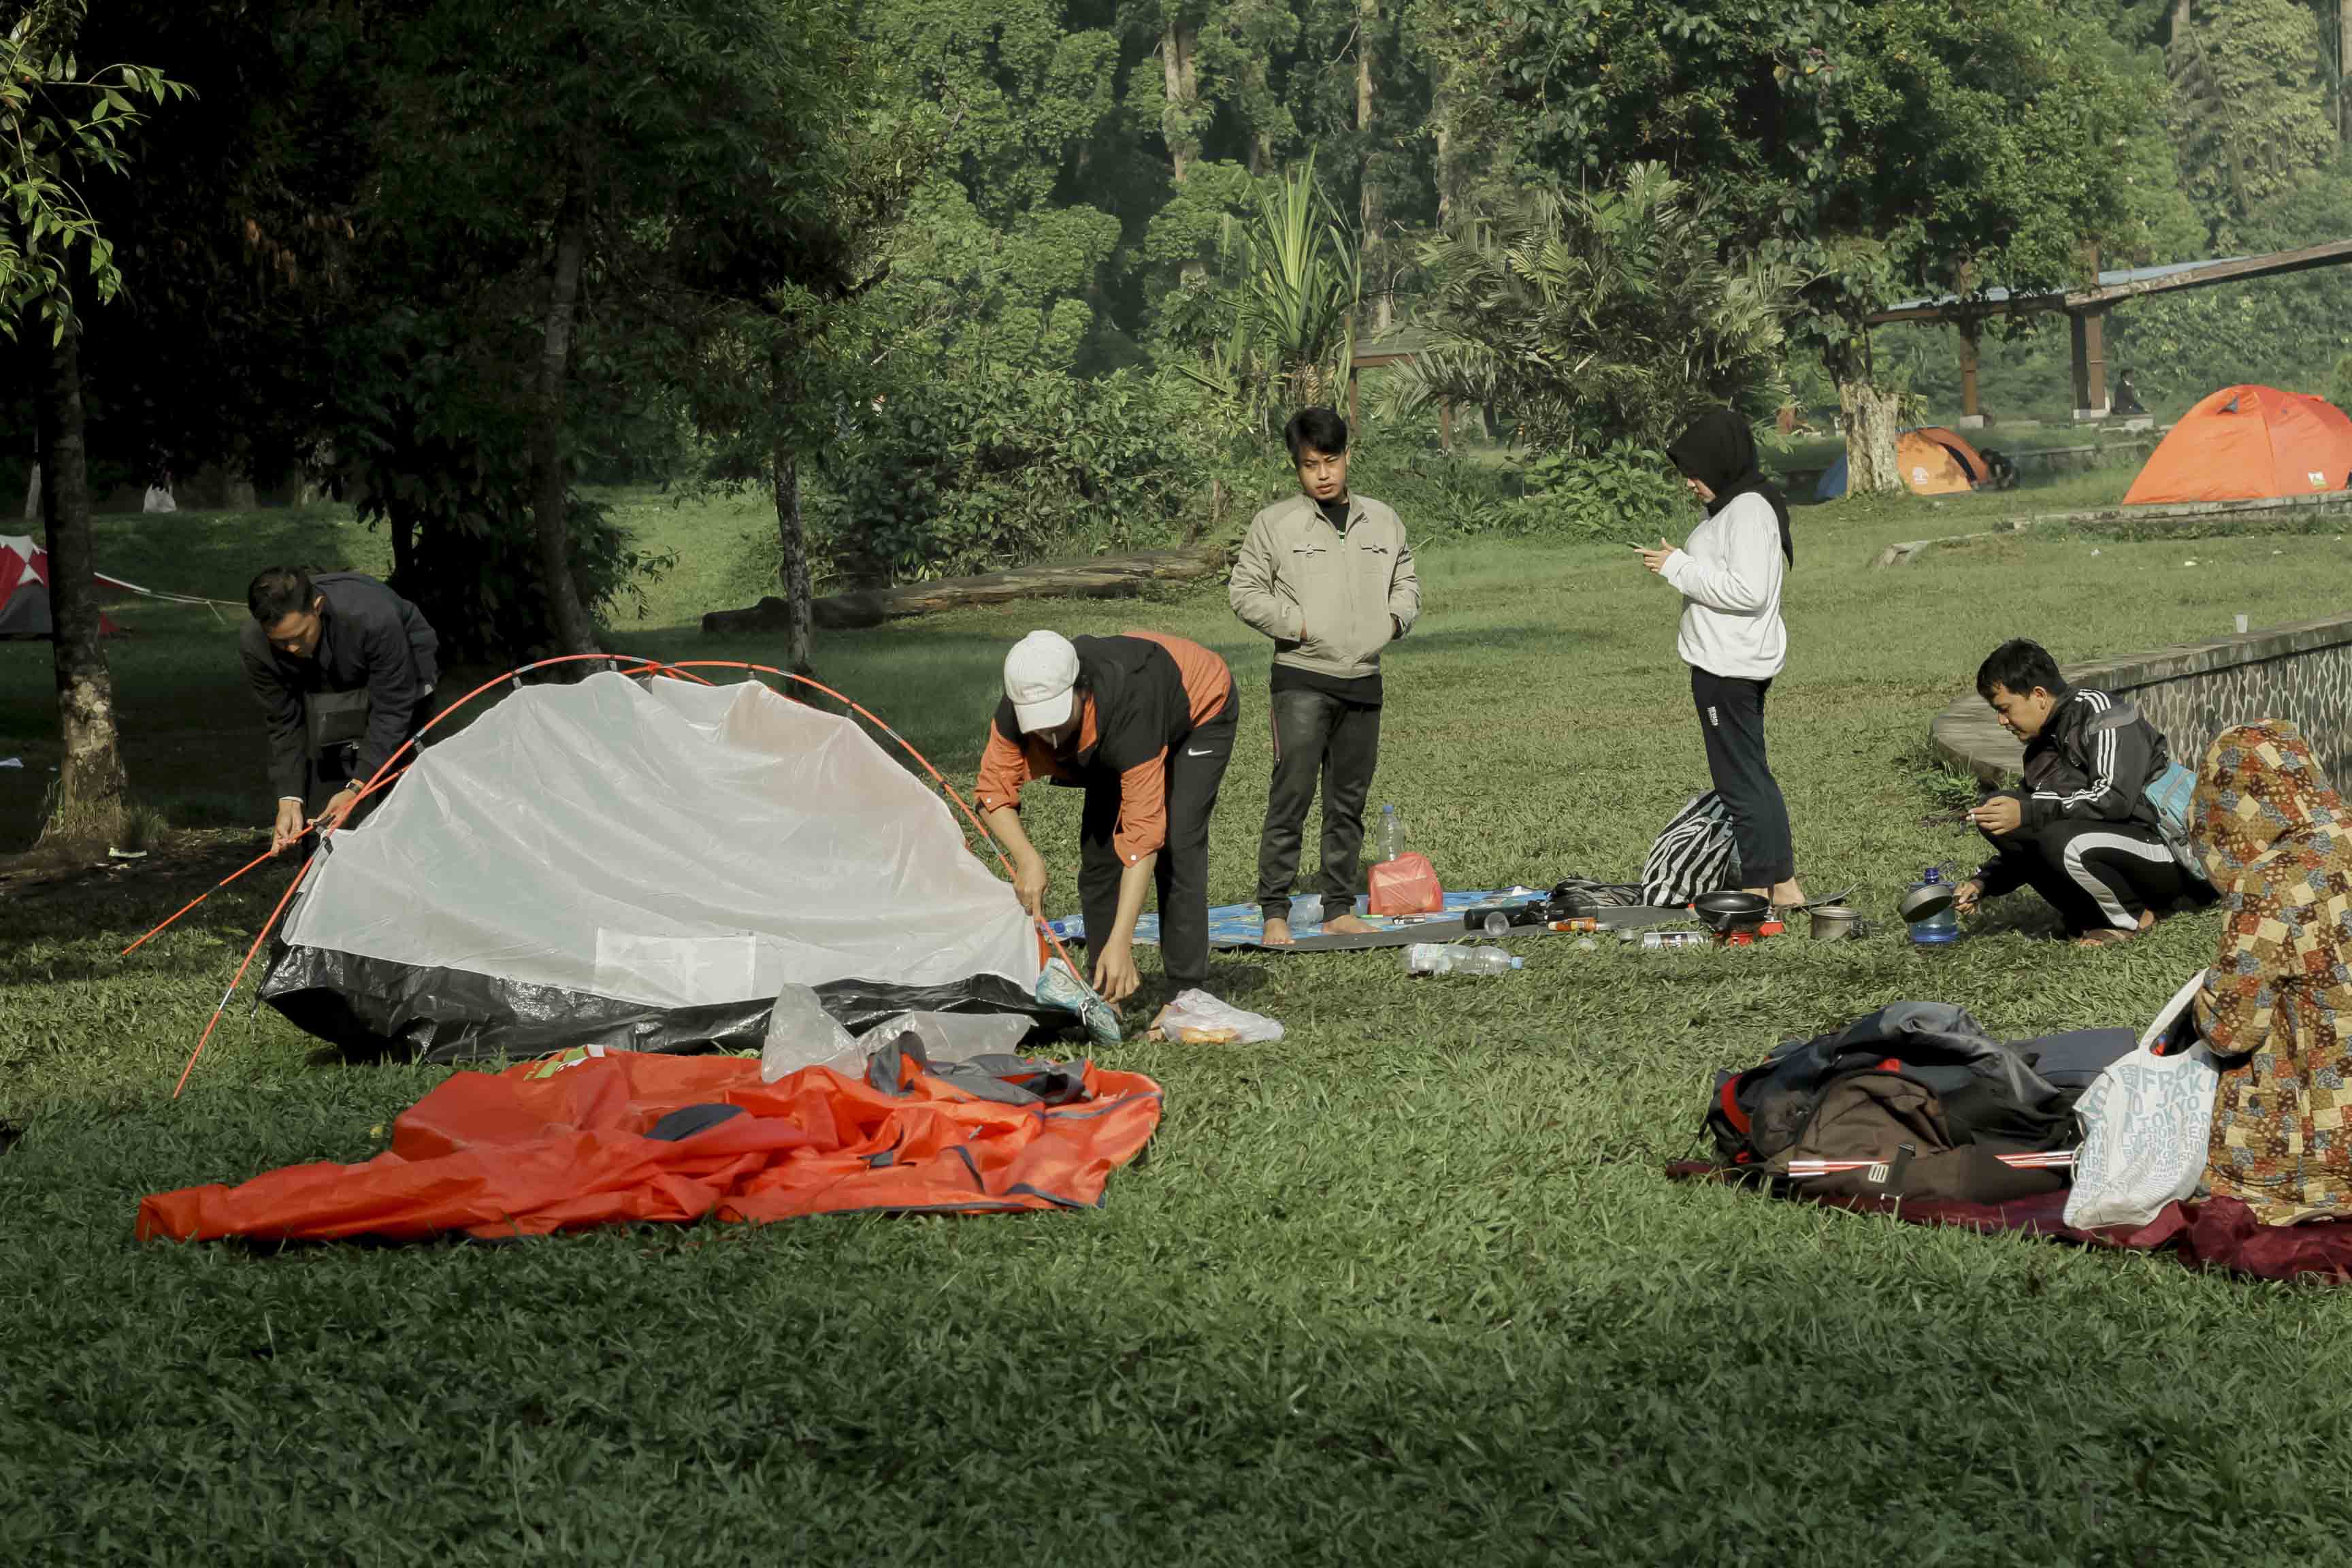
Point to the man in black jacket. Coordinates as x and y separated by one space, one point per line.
343 668
2083 832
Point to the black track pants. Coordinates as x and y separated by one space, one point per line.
1731 718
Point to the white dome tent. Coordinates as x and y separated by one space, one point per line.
643 863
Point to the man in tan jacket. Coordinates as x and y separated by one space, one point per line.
1328 577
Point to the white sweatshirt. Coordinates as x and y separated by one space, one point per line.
1728 574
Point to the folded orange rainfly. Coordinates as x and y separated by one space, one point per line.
623 1136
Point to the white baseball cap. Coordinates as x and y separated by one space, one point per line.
1041 677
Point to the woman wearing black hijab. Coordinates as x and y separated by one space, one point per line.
1728 572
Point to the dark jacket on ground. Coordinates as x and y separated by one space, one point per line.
2092 762
369 639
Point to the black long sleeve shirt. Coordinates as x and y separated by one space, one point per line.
369 639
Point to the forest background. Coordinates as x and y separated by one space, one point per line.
960 285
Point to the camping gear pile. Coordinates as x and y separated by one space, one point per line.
1916 1113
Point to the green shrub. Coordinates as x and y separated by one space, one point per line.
995 463
1625 492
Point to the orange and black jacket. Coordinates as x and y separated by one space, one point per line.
1139 694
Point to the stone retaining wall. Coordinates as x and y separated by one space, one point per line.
2193 692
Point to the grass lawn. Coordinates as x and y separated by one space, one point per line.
1407 1288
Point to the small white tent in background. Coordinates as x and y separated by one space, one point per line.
159 499
646 865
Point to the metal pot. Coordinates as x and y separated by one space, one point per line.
1729 911
1836 922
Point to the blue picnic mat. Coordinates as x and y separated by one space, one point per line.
1239 925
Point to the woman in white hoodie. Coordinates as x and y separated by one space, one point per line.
1728 572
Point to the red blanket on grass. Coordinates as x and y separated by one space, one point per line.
531 1150
2221 1233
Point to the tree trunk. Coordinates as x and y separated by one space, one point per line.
2180 23
1178 44
574 631
91 784
2343 69
1867 411
800 598
403 549
1375 251
33 493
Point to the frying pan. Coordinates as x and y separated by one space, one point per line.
1730 911
1925 903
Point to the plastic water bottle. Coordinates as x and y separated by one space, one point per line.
1444 958
1390 843
1937 930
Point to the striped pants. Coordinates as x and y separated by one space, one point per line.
2097 875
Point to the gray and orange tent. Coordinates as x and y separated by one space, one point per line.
2247 443
1933 460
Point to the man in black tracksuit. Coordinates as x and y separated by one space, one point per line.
343 668
2081 832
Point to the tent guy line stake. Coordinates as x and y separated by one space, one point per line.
258 937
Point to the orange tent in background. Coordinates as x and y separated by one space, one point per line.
1933 461
1936 461
2247 442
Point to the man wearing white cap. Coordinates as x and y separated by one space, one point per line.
1144 723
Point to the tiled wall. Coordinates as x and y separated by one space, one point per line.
2302 673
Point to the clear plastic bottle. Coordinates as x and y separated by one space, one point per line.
1940 929
1444 958
1390 843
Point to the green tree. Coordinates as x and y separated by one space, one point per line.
1599 319
1881 150
2249 109
1298 290
60 129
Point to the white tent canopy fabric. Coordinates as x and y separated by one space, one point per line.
659 844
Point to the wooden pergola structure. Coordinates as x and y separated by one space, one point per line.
2086 312
1396 346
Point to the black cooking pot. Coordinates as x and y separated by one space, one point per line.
1730 911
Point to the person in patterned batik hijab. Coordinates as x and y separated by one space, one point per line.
2275 838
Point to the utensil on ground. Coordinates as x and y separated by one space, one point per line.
1836 922
1925 902
1727 911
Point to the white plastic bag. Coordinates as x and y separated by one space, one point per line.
2146 1120
802 1034
1198 1018
953 1037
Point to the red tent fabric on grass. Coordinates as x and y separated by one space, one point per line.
2221 1233
537 1148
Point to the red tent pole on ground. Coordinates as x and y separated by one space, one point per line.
258 937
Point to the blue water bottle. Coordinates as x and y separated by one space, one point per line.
1941 927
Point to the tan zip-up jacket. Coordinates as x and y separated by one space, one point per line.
1327 600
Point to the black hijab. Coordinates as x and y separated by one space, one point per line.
1719 451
